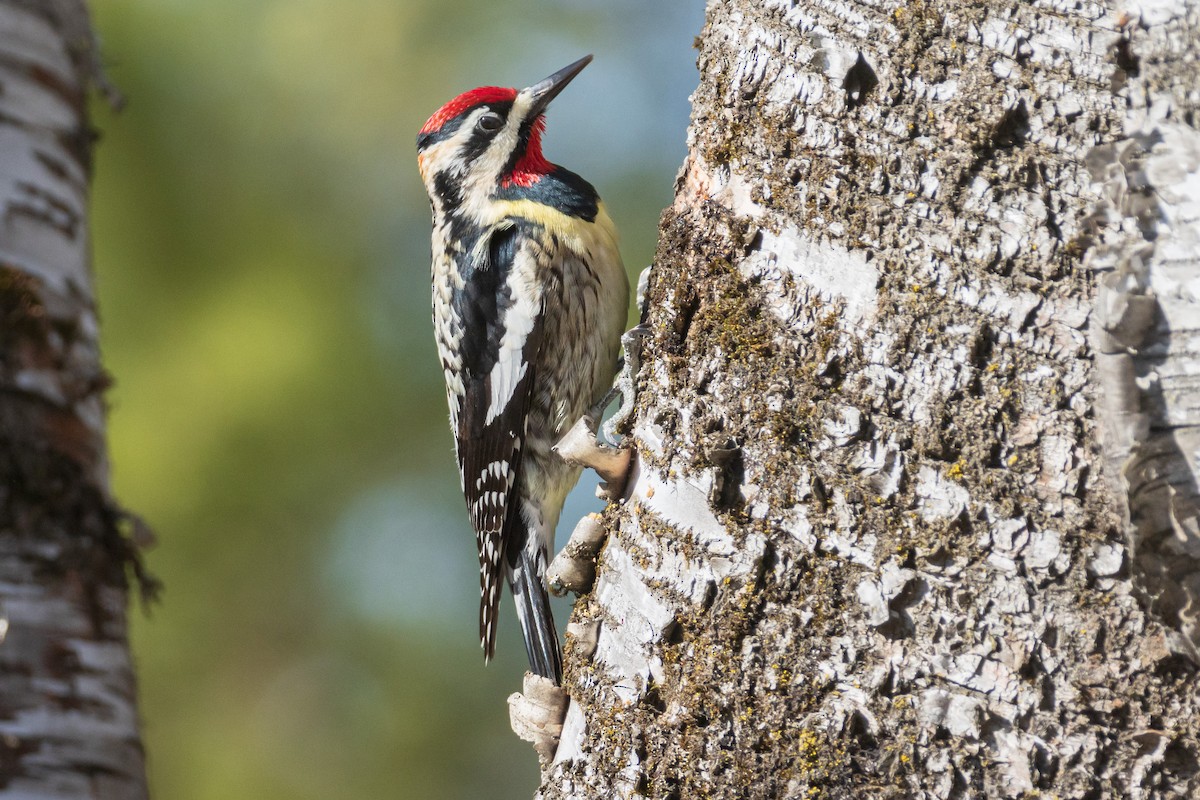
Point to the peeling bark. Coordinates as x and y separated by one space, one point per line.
1146 318
68 716
913 512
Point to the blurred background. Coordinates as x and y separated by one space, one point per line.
261 250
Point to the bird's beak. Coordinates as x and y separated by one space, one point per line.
544 91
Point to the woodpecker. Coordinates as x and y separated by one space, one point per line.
529 301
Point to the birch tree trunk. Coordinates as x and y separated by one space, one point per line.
68 716
915 506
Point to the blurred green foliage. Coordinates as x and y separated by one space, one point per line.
261 241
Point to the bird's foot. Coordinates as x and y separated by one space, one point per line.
583 446
574 568
536 714
626 381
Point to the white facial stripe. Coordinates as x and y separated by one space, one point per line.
487 168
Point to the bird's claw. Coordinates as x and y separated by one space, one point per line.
583 446
625 383
574 568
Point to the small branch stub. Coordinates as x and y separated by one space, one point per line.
579 447
537 713
584 637
574 568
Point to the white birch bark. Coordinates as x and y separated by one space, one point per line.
68 716
914 510
1146 319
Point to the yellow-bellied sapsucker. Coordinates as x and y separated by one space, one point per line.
529 302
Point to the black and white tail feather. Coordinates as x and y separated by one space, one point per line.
525 568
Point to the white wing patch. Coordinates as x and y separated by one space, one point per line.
505 376
519 321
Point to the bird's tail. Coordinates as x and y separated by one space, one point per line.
533 611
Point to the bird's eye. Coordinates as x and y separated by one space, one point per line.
490 122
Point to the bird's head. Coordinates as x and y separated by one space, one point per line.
487 139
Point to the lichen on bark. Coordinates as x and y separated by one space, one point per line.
871 545
68 711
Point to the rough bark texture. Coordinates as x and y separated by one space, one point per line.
914 512
68 717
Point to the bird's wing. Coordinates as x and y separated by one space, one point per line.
498 376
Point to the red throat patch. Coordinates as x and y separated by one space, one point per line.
531 166
475 97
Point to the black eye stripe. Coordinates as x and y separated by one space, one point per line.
475 146
481 138
451 126
441 134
